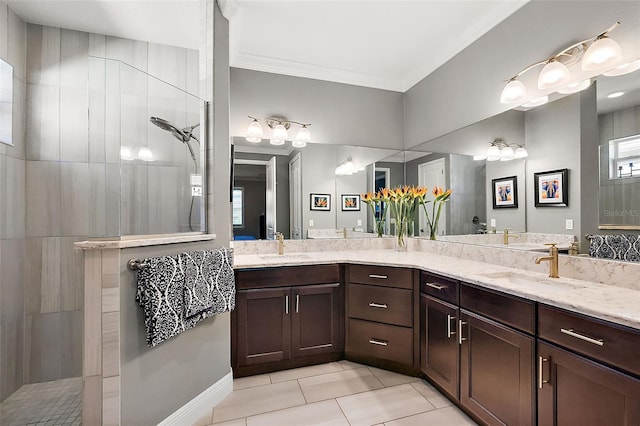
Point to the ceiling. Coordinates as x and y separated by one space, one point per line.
386 44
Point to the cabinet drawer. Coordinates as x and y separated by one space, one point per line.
382 304
606 342
508 310
287 276
439 287
382 341
380 275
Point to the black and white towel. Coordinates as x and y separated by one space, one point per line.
617 247
177 292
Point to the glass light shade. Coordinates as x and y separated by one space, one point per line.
575 87
604 53
493 153
303 135
298 144
125 153
521 152
536 102
623 69
254 132
276 141
145 154
506 153
279 133
553 75
615 95
513 92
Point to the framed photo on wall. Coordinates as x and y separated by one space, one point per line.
321 202
505 192
551 188
350 202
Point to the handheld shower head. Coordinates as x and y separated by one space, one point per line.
167 126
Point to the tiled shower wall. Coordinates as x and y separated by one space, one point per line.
12 211
55 187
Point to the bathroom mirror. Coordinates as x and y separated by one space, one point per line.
6 103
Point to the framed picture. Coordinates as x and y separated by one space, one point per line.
505 192
551 188
321 202
350 202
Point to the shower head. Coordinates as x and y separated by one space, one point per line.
165 125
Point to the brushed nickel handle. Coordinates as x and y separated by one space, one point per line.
286 304
297 303
460 338
570 332
436 286
541 381
382 277
378 342
378 305
449 331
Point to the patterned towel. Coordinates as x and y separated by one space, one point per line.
161 291
620 247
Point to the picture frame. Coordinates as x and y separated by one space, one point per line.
321 202
505 192
551 189
350 202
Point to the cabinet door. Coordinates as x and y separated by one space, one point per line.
575 391
496 371
264 325
439 352
317 324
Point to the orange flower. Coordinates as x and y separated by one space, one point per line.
437 191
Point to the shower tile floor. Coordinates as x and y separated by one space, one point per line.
48 403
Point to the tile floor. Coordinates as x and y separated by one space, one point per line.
49 403
337 393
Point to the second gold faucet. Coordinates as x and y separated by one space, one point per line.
552 259
506 236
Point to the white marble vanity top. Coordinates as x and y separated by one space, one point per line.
607 302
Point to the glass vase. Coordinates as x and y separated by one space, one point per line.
401 234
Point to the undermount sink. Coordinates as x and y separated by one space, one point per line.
293 256
527 280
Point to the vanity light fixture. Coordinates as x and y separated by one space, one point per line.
145 154
280 127
536 102
502 151
599 53
346 168
623 69
575 87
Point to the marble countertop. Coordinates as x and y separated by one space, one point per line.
143 241
607 302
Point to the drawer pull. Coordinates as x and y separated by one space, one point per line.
449 331
286 305
297 303
378 342
460 338
541 381
382 277
378 305
436 286
570 332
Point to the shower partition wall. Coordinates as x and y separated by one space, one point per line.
147 180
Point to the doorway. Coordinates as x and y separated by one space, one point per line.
432 174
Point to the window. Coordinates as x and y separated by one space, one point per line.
624 157
238 208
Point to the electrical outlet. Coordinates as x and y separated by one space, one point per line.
568 224
359 222
310 222
493 222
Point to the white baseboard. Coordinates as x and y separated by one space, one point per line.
202 404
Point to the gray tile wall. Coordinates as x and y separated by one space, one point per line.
12 211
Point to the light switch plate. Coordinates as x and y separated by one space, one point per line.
359 222
569 224
310 222
493 222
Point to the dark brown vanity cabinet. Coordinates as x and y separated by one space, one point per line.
286 317
381 316
576 390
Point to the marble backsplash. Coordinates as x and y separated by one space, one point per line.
312 245
519 238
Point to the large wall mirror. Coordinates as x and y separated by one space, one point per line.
6 103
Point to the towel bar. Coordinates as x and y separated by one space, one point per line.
136 264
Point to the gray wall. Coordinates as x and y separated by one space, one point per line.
352 184
13 44
318 177
340 113
514 219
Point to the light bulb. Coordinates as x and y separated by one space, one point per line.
521 152
553 75
303 135
536 102
615 95
125 153
493 153
623 69
513 92
279 133
254 132
603 53
145 154
298 144
506 153
575 87
276 141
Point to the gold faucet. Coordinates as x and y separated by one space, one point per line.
506 236
343 232
280 239
552 259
